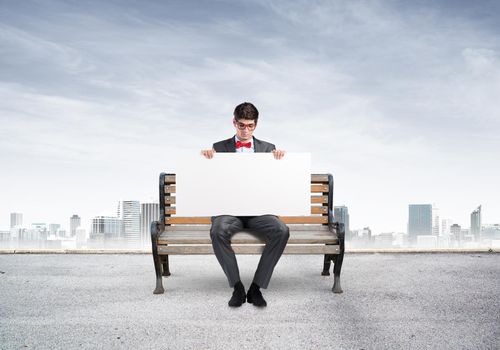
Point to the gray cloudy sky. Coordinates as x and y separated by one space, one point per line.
400 100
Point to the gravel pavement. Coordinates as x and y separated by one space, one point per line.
390 301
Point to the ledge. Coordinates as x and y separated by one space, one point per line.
348 251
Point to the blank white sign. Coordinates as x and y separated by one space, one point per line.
244 184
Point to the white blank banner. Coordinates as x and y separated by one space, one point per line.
243 184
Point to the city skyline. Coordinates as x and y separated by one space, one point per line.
418 213
398 100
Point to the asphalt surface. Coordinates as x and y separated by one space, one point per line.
390 301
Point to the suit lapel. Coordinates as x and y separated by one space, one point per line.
257 145
230 146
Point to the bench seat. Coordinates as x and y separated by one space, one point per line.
197 241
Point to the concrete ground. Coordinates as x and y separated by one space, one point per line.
390 301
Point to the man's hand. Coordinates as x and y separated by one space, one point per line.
208 153
278 154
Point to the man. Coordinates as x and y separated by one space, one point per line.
269 227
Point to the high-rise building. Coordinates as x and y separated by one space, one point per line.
16 219
475 224
341 214
106 228
419 220
149 212
456 232
435 221
130 214
74 222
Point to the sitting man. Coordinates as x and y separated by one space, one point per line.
269 227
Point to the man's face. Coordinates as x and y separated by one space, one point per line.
244 129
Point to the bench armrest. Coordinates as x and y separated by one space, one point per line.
338 228
156 229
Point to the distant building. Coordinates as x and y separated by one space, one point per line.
74 222
106 228
53 228
130 214
149 212
435 221
445 226
456 233
491 231
419 220
341 214
16 219
384 240
81 237
39 231
475 224
4 235
367 234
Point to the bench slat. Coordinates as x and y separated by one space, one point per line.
314 199
286 219
203 237
315 188
316 178
206 228
248 249
314 210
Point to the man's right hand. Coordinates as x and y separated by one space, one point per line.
208 153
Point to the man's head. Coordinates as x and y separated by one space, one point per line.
245 120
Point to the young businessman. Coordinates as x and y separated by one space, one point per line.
269 227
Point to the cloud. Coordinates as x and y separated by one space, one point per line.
394 98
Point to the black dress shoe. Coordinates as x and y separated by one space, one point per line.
238 298
254 296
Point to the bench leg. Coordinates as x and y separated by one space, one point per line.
166 268
338 260
327 262
336 273
156 259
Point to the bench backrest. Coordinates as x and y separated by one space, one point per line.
321 203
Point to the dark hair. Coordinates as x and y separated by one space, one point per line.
246 110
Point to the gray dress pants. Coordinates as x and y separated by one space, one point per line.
268 227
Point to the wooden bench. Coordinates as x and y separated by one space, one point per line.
317 233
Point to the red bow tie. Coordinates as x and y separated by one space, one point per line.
240 144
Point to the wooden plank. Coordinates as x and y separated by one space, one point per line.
315 188
248 249
286 219
315 178
321 178
170 179
314 210
169 200
319 199
201 237
206 228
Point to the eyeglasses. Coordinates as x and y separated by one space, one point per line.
242 126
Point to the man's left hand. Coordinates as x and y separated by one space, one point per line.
278 154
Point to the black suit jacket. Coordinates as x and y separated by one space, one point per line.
229 146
